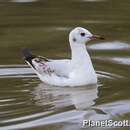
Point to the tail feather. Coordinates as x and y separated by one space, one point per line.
28 56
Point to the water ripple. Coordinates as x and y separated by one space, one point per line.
116 45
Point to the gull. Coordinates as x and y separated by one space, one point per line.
76 71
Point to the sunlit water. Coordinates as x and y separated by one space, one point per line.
43 26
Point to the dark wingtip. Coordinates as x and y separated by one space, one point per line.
26 54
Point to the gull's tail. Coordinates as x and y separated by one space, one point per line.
28 57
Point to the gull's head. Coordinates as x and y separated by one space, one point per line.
82 35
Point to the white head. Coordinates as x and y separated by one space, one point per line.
81 35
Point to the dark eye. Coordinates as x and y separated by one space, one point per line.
82 34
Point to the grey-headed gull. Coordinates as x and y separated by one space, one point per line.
67 72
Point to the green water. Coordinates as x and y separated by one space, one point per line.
43 26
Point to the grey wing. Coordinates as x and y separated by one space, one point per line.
61 67
46 66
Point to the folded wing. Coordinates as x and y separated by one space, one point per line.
47 67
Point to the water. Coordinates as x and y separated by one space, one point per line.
43 26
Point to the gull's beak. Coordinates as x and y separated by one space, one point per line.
93 37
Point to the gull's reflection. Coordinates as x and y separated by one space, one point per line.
57 97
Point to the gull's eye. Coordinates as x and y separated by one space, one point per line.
82 34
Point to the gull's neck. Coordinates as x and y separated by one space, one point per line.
81 65
80 55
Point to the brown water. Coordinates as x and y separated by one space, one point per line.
43 26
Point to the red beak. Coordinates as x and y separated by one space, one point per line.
93 37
